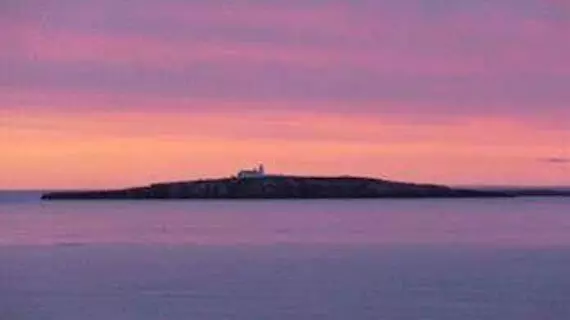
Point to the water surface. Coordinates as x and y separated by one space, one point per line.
318 259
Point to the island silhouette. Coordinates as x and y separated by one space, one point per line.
257 184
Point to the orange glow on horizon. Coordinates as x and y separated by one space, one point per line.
123 149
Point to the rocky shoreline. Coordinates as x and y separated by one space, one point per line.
279 187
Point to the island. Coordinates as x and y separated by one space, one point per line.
257 184
278 187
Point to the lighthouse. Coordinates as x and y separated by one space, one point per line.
258 172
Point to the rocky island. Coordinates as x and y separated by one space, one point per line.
278 187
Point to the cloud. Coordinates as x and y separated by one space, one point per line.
556 160
374 56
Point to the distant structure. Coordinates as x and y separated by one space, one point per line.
258 172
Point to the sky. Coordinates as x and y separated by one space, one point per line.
114 93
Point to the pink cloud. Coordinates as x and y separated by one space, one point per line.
368 57
457 45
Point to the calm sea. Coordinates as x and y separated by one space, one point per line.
506 259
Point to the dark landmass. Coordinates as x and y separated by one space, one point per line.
280 187
535 192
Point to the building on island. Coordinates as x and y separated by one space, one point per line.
258 172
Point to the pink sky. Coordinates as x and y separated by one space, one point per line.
117 93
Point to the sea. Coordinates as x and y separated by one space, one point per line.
425 259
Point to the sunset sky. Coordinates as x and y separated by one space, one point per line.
114 93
